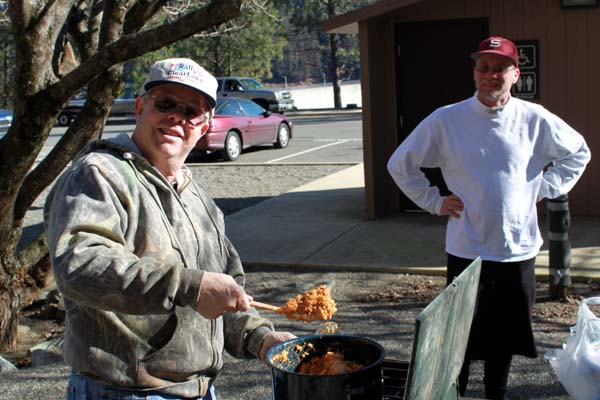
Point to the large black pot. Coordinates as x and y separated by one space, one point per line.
362 384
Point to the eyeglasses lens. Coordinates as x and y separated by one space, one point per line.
498 69
168 105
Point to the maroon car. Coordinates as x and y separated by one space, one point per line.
239 124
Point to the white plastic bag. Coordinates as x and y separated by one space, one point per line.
577 364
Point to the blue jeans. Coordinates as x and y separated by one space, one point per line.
83 388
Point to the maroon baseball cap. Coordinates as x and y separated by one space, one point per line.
497 45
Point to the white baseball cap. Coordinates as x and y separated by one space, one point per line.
182 71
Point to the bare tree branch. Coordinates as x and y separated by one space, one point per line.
178 7
20 14
224 28
101 94
55 97
137 44
141 13
261 5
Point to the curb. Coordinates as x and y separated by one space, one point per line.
323 112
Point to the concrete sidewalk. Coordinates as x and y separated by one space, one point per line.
322 225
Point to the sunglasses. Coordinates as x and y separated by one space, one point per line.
166 104
497 70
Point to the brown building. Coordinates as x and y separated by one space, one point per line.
415 57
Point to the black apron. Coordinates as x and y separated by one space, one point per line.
502 321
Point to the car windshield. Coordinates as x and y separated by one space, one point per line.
238 107
228 107
251 108
251 84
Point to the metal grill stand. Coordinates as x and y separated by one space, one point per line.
395 374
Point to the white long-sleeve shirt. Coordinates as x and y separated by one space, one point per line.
493 160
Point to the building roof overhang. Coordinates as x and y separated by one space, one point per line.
348 23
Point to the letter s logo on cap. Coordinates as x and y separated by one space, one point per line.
495 43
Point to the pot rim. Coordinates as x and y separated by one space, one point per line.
279 346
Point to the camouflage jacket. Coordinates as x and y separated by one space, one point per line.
128 253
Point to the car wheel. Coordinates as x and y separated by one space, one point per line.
283 136
64 120
233 147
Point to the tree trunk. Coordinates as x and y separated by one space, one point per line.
331 6
335 79
218 57
21 280
10 306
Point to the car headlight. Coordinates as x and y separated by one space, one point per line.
278 96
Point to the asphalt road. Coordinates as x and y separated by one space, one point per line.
320 139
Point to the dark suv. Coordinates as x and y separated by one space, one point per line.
278 101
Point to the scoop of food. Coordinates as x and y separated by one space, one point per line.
315 304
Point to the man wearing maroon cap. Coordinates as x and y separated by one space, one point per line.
493 150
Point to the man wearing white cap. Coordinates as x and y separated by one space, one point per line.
153 288
493 151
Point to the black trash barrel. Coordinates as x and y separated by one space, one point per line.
559 246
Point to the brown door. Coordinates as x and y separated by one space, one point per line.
433 69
